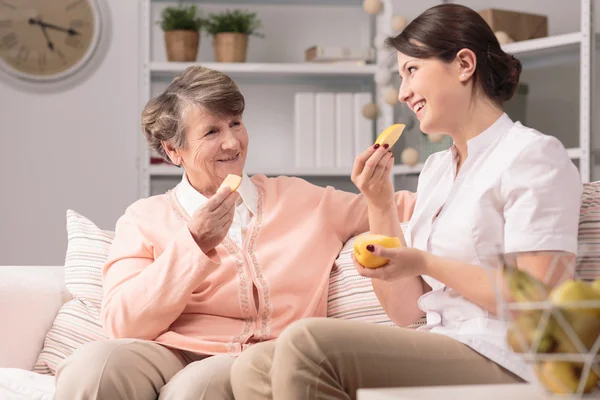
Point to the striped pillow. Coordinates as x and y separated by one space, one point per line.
78 321
351 296
588 250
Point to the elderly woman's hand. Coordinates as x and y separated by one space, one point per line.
372 175
211 222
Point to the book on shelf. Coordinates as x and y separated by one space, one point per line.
325 129
304 129
344 130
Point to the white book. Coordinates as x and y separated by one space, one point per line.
304 130
363 127
325 129
344 130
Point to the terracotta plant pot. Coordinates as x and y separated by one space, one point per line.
182 45
230 47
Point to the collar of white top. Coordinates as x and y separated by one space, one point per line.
487 137
191 199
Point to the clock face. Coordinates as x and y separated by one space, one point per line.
47 40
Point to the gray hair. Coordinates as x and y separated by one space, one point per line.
163 117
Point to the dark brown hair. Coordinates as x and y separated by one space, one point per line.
442 31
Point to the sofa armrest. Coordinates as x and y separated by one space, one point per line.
30 297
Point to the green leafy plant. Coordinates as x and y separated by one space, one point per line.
181 18
237 21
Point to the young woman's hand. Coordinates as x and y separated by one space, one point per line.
404 262
372 175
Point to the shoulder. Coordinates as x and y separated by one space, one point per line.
147 207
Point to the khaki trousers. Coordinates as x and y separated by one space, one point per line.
331 359
131 369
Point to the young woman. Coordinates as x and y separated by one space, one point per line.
501 188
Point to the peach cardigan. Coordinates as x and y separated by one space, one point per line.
159 285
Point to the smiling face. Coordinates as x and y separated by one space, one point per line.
435 91
215 146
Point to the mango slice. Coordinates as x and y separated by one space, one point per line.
368 259
390 135
233 181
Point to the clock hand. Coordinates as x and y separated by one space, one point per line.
50 44
69 31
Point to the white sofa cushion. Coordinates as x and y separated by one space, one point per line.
18 384
29 299
78 320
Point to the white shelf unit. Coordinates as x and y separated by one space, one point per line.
548 51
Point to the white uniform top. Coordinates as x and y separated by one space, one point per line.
517 191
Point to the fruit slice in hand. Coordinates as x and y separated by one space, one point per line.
390 135
233 181
368 259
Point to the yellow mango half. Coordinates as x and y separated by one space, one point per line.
390 135
233 181
368 259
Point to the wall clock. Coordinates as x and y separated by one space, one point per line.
44 41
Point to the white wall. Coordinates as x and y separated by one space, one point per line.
74 149
77 149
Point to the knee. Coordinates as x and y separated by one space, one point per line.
251 367
92 367
301 340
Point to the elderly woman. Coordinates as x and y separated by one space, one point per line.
197 275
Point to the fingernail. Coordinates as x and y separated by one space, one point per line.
371 248
385 145
376 146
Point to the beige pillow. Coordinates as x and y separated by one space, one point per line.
78 320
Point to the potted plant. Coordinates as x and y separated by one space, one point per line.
230 31
182 28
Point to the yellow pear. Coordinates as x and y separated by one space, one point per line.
596 285
585 326
390 135
368 259
572 291
525 332
563 377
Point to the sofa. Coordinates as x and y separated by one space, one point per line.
50 311
39 305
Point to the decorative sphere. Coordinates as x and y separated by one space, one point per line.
399 23
410 156
435 137
369 111
383 77
372 6
503 37
390 96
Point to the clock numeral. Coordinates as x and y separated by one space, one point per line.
79 23
22 55
5 4
42 60
8 41
73 41
6 23
72 5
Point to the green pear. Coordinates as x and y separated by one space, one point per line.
525 332
585 326
524 287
